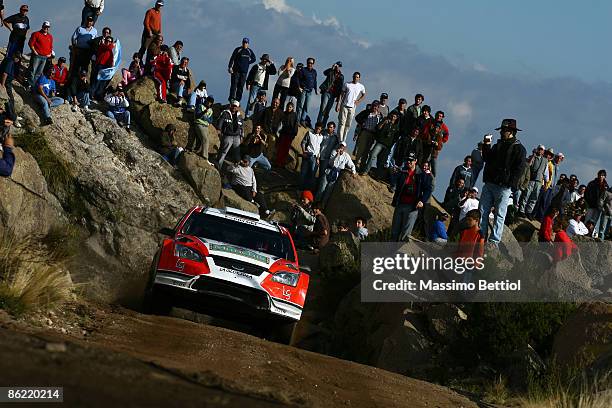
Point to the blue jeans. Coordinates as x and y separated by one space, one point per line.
37 65
83 98
14 46
377 150
55 101
327 103
308 171
88 12
404 218
252 96
325 189
193 99
497 196
120 117
302 108
180 91
262 161
433 165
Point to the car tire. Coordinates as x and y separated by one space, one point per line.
281 332
156 303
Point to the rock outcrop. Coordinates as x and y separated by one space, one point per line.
202 176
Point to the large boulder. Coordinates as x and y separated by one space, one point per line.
202 176
444 321
406 351
361 196
119 189
340 255
26 206
229 198
585 337
153 116
525 230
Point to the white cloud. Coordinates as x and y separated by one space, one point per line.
479 67
281 6
461 111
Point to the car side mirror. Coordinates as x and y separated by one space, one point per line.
166 231
305 269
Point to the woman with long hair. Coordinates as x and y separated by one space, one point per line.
281 89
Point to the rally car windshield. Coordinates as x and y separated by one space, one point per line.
240 234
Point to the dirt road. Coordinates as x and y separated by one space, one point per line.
130 359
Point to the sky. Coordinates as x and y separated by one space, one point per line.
479 61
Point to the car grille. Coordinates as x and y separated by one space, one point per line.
238 265
253 297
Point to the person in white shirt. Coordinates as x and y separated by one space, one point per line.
576 226
352 94
311 153
470 203
578 194
338 161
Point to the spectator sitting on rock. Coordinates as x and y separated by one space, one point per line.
576 226
199 94
231 132
45 95
92 9
546 230
288 132
255 144
198 142
259 104
564 246
175 53
7 145
162 71
244 184
361 228
168 147
338 161
413 190
319 237
59 74
453 195
438 230
78 94
182 81
118 105
302 215
133 72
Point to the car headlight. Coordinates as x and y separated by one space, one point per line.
286 278
184 252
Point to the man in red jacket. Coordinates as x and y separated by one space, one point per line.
60 76
439 123
104 59
162 72
41 44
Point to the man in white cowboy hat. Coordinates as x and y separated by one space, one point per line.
504 165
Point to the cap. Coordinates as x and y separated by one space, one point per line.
339 63
46 24
246 40
90 18
343 144
235 103
265 57
61 59
159 3
375 103
384 95
307 195
24 7
560 155
541 147
474 189
412 157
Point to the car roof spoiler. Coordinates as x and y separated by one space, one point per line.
242 213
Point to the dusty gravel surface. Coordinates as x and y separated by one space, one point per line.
129 359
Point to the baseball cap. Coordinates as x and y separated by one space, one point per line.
159 3
246 40
541 147
560 155
384 95
474 189
89 18
412 157
46 24
24 7
61 59
343 144
235 103
339 63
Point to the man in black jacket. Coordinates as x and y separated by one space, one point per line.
504 165
231 129
330 90
238 68
258 78
412 192
595 195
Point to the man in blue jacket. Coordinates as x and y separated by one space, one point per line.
413 190
307 79
238 68
7 162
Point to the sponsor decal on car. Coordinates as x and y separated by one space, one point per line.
239 251
245 275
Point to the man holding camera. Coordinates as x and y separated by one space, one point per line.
7 144
504 165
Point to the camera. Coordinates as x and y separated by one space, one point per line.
488 138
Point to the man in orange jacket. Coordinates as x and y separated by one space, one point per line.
152 26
